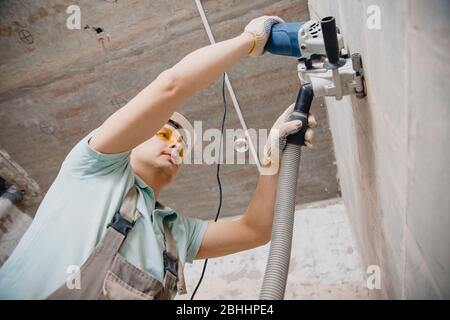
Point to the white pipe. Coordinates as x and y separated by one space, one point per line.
229 87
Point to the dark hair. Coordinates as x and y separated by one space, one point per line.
175 124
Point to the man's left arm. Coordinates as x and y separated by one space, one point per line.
253 229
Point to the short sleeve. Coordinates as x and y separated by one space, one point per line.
84 161
196 229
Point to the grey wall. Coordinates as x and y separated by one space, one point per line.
56 89
392 148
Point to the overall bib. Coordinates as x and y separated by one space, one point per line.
106 275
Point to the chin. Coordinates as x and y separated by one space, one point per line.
169 169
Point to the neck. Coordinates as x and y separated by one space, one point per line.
154 178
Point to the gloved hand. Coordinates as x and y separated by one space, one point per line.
260 29
278 135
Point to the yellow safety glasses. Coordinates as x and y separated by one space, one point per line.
170 135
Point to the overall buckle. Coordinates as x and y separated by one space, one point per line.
120 224
170 264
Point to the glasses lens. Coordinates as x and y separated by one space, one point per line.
182 152
165 134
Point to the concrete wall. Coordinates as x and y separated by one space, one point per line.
392 147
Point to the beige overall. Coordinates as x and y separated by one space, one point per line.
106 275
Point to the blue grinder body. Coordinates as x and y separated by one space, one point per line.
283 39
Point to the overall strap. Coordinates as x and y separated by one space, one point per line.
122 222
128 207
173 268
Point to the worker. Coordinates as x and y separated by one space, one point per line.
100 231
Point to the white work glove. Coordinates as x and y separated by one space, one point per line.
260 29
278 136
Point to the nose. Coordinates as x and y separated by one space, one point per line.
175 148
174 144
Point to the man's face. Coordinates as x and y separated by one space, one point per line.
162 152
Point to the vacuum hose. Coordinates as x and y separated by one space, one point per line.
274 283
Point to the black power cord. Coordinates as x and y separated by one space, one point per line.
217 177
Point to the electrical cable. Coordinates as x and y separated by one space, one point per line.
225 82
219 184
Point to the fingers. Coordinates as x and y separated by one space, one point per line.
312 123
290 127
278 19
309 134
285 115
286 127
260 28
265 18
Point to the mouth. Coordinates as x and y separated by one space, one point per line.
169 156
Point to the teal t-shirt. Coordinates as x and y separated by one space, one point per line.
73 217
